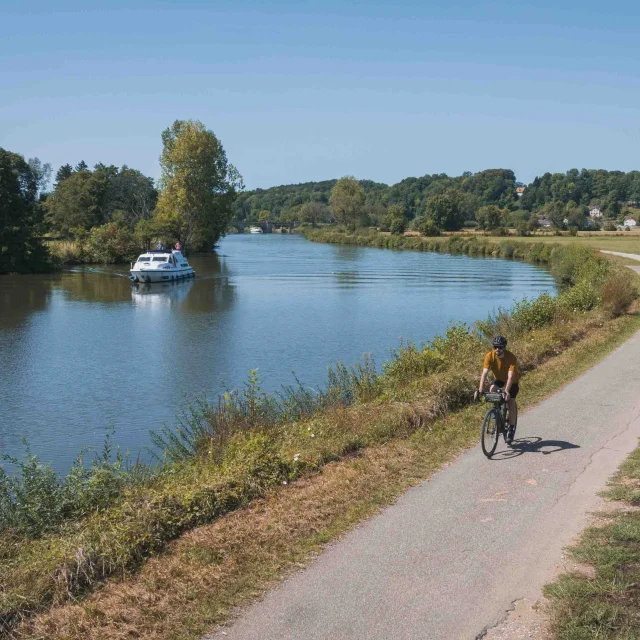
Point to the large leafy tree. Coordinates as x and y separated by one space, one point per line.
314 212
490 217
77 201
347 201
132 194
198 185
86 199
20 216
447 210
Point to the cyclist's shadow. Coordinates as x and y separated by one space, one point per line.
533 444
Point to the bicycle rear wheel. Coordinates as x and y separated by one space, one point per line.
490 432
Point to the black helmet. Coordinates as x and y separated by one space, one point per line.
499 341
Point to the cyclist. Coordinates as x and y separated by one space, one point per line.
504 366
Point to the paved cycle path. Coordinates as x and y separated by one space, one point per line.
450 557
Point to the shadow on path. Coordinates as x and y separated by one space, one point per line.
533 444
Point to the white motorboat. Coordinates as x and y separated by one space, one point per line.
255 230
161 265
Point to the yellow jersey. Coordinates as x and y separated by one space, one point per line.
500 367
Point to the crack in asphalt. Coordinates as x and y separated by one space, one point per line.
500 620
589 462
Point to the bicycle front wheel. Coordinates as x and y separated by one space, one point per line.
490 432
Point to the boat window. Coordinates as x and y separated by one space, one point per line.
144 259
160 258
184 264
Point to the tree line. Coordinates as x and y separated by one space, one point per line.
112 213
490 199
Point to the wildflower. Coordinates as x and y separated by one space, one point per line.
284 482
313 435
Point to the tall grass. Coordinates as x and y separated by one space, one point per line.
204 427
34 500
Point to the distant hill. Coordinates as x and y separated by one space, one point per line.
493 186
610 190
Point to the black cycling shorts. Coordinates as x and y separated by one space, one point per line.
515 387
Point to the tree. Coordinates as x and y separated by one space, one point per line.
556 213
42 174
130 192
77 202
347 201
199 185
575 215
81 166
395 220
314 212
20 216
446 210
264 216
489 217
63 173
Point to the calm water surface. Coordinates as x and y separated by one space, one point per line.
83 349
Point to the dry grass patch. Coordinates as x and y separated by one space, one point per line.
209 571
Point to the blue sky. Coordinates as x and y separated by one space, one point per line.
301 91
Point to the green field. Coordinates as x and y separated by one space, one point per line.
625 242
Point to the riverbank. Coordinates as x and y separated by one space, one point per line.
623 242
243 452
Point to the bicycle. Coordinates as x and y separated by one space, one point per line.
494 423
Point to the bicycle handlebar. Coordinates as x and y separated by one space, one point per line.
493 396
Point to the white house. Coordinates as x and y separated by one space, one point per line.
629 222
520 191
595 212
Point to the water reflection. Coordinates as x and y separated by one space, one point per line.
161 294
95 285
21 296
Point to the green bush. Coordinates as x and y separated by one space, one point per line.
35 500
398 226
111 244
410 362
529 314
581 297
427 227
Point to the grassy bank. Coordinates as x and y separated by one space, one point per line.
603 600
201 577
625 242
250 445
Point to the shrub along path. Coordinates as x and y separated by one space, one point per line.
453 554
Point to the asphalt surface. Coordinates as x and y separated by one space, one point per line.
450 558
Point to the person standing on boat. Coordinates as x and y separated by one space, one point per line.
159 246
178 246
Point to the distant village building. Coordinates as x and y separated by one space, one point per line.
520 191
629 222
595 212
543 221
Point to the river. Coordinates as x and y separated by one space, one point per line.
85 349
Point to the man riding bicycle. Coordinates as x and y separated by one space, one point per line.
504 366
